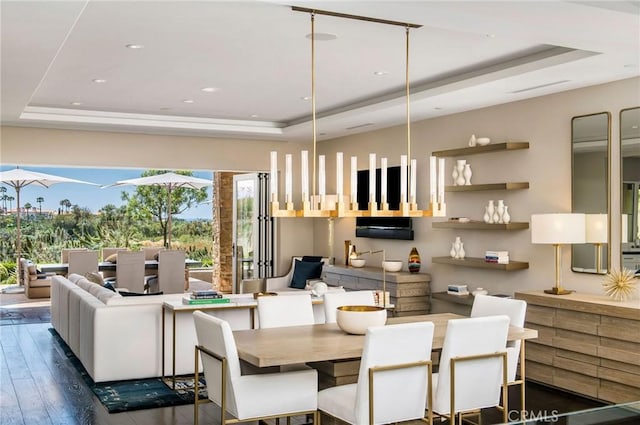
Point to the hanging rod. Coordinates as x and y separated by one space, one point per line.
356 17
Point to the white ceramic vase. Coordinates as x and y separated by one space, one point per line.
500 210
461 253
472 141
452 253
485 217
467 174
456 246
460 166
491 209
506 218
454 174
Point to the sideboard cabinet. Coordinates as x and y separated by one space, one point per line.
587 344
408 292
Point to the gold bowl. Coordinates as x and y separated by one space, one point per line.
264 294
355 319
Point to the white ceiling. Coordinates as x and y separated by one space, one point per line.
467 55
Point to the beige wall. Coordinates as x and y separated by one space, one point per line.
545 122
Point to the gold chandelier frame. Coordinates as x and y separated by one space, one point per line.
319 205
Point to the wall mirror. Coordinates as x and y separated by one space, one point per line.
630 184
590 151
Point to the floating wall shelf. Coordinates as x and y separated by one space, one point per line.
481 264
479 225
490 186
491 147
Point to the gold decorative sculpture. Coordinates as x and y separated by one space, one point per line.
620 285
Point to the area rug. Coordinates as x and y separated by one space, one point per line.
136 394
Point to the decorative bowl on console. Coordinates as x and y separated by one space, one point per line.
358 262
355 319
392 265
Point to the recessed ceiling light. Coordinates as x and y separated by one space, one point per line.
165 108
635 127
188 101
323 36
76 103
99 80
134 46
255 116
209 89
380 72
306 98
438 108
629 65
490 35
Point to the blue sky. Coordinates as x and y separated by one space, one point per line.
93 197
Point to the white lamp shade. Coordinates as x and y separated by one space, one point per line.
557 228
596 228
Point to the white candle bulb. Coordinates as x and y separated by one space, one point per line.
274 176
412 190
321 176
383 180
403 178
288 185
304 155
441 180
354 179
339 177
372 177
432 179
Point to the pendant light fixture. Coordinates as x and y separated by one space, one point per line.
318 203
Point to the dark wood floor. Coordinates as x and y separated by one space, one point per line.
38 385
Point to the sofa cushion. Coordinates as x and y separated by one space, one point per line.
312 258
303 271
95 277
113 258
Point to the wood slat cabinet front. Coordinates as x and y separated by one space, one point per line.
586 344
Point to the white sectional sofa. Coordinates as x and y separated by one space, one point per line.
119 338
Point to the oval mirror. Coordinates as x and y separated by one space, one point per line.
590 151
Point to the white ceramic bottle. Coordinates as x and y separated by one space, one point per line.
456 246
467 174
461 253
506 217
486 217
491 209
500 210
460 165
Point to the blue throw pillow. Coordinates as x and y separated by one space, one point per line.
312 258
109 285
137 294
303 271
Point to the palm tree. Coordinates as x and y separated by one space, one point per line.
3 190
27 207
11 199
40 200
66 204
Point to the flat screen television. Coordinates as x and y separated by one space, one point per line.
382 227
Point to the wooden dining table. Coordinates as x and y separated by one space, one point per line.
315 343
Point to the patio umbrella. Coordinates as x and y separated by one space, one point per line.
19 178
170 181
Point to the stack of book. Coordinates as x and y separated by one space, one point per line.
209 296
499 257
457 290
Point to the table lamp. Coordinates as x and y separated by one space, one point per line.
557 229
597 233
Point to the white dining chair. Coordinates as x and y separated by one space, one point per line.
285 310
171 271
82 262
333 300
395 358
247 397
130 271
487 305
472 368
